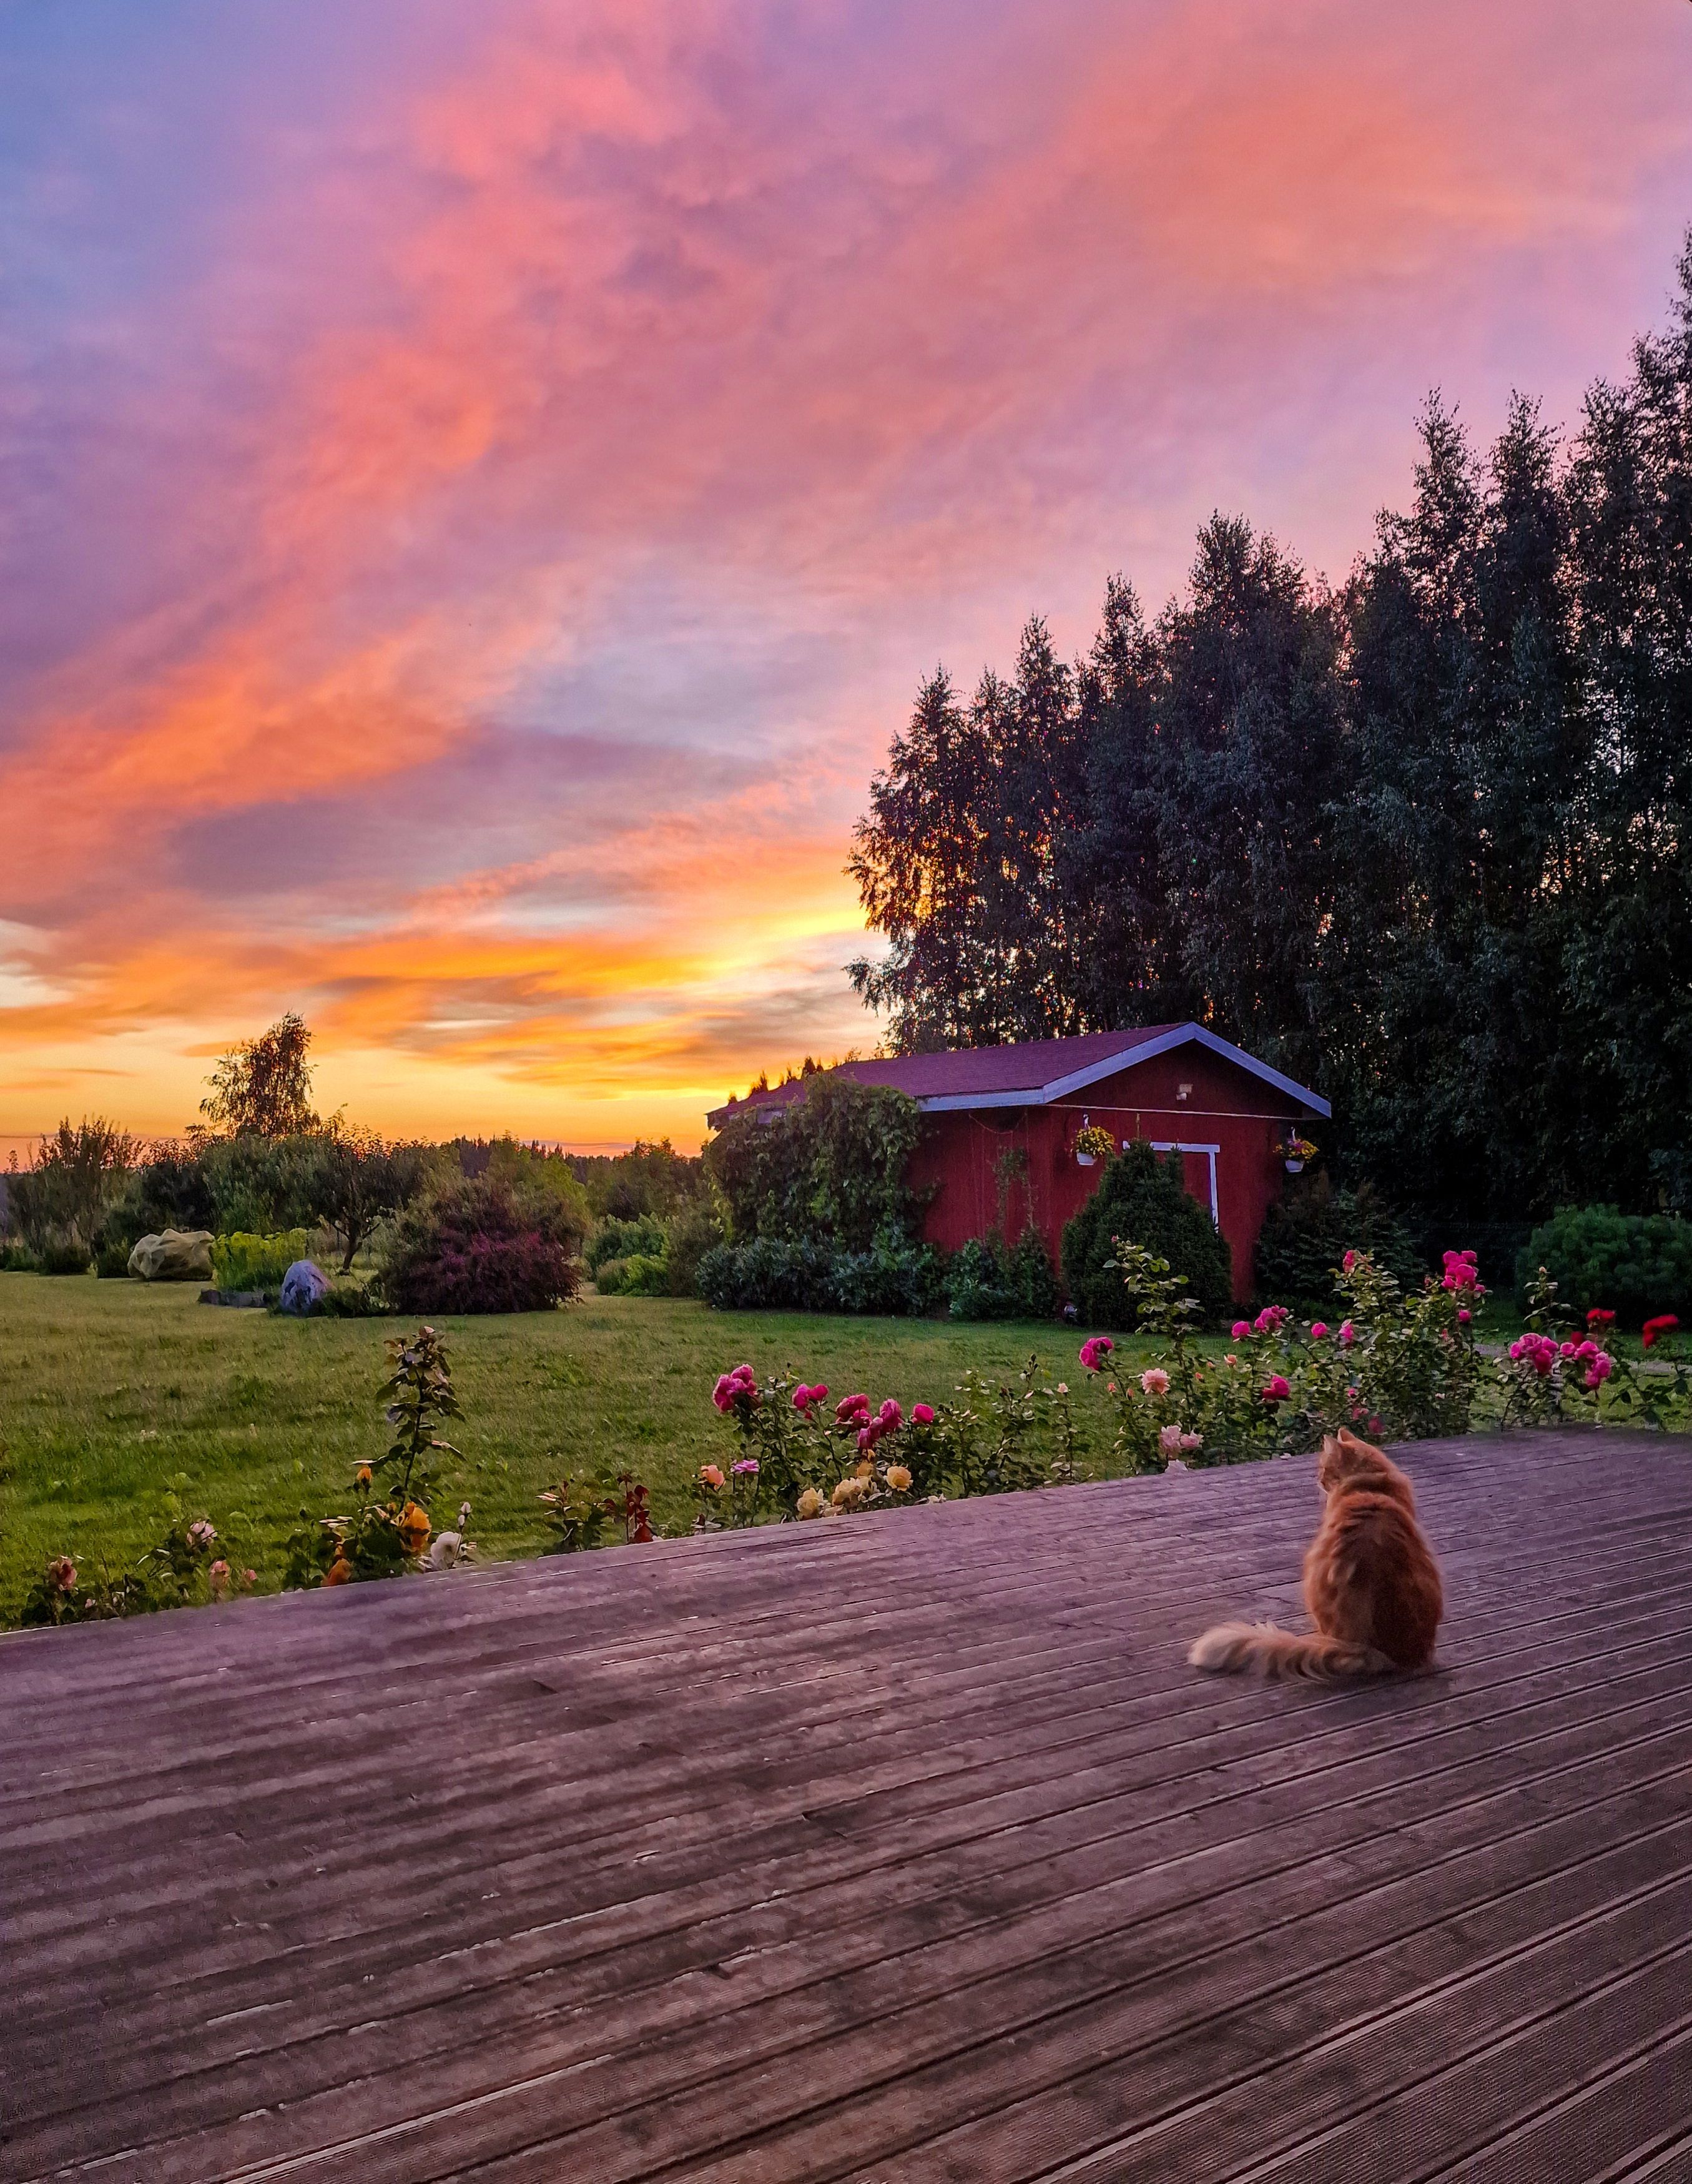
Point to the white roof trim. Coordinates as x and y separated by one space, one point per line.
1287 1085
1127 1058
1042 1096
1079 1079
940 1103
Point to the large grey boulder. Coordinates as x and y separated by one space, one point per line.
179 1255
304 1286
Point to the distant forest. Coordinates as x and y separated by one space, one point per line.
1420 841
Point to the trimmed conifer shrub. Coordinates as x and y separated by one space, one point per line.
1142 1198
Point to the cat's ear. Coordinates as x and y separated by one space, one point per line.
1330 1446
1347 1439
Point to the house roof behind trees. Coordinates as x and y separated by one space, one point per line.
1033 1073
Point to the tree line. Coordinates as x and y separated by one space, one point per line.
261 1159
1420 839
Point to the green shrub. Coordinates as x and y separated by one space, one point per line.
242 1261
977 1285
895 1277
621 1239
1636 1265
645 1274
63 1255
1142 1200
1306 1235
18 1259
695 1228
261 1186
772 1273
984 1281
610 1277
829 1166
346 1299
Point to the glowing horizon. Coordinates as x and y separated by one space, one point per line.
484 485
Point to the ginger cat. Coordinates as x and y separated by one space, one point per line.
1371 1582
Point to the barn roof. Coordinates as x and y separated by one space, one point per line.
1030 1074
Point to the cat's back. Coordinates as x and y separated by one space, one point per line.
1371 1541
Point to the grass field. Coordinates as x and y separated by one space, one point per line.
112 1392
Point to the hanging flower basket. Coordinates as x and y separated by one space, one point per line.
1297 1151
1093 1143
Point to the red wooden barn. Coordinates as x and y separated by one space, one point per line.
1228 1115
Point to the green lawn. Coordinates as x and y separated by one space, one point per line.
112 1392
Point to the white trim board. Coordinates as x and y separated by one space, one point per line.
1113 1065
1175 1145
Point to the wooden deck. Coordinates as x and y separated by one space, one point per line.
902 1849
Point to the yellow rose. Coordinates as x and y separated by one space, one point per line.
899 1478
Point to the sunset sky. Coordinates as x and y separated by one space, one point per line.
483 478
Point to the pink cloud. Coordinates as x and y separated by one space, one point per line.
674 384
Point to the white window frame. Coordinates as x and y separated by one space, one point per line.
1177 1145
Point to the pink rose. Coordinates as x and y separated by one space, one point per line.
1464 1315
1318 1330
747 1467
1094 1351
1155 1381
922 1414
1242 1328
891 1417
1276 1389
1348 1333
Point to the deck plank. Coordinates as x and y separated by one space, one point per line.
901 1847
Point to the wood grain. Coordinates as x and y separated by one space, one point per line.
902 1850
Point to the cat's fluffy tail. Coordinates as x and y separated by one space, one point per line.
1233 1648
